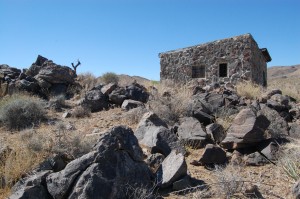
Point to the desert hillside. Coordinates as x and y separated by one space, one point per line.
286 78
284 71
64 135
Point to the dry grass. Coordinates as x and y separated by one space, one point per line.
249 90
289 86
133 116
81 112
28 149
87 81
228 181
290 160
169 102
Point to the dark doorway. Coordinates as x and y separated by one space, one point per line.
223 70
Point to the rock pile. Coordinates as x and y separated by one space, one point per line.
44 78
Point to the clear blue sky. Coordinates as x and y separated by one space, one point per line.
125 36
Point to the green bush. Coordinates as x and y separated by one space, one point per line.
20 111
110 77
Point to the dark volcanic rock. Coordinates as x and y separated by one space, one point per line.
172 169
278 126
191 132
216 131
130 104
137 92
115 163
213 155
149 122
56 74
118 95
246 129
162 140
95 100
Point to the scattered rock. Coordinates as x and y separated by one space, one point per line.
95 100
296 190
66 115
137 92
149 122
215 100
130 104
182 183
216 132
172 169
246 129
118 95
191 132
32 186
255 159
107 89
154 161
213 155
252 191
294 131
278 126
162 140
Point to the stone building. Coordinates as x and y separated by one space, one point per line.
222 61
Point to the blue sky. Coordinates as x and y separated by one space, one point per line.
125 36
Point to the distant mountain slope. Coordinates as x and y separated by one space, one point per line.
126 79
284 71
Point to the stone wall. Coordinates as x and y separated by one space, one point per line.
241 54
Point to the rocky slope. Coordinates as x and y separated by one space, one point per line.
195 142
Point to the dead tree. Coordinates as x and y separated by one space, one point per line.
75 66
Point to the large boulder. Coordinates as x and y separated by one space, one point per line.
246 130
149 122
55 74
213 155
10 72
32 187
278 126
27 85
137 92
95 100
216 132
106 172
172 169
190 131
118 95
197 107
215 100
162 140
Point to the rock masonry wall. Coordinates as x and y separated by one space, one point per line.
241 54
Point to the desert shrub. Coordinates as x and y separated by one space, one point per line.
80 112
72 143
138 191
249 90
229 180
170 103
87 80
21 111
290 160
110 77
